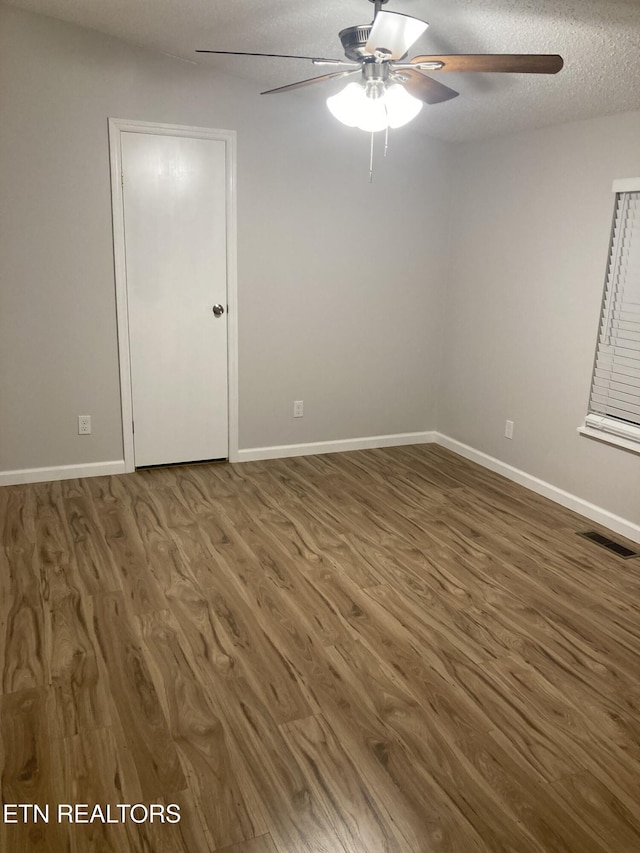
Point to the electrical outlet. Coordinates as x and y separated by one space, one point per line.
508 429
84 424
298 408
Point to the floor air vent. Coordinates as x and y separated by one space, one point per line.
610 545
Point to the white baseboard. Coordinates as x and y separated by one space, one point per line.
620 525
282 451
61 472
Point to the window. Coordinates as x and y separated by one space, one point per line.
614 404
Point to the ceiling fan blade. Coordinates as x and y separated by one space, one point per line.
504 62
394 32
275 56
427 90
310 81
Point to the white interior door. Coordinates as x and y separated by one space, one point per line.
174 207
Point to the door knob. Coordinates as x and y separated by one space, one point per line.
218 310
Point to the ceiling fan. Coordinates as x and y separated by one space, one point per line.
391 89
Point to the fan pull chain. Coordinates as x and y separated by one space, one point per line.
386 141
371 160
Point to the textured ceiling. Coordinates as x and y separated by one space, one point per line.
599 40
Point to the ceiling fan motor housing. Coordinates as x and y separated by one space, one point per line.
354 40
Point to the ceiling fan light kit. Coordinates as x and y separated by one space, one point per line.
374 106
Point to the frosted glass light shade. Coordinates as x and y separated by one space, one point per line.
352 107
345 105
372 114
393 108
401 106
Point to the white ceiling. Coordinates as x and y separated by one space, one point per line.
599 40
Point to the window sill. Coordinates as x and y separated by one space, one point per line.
631 441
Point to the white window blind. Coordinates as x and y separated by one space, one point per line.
614 404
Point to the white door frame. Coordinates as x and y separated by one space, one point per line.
116 128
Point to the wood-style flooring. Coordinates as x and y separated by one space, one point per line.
386 651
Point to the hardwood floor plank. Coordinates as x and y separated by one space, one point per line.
430 478
70 648
198 734
445 765
619 622
372 621
601 810
539 723
136 542
158 836
209 646
136 700
19 517
263 844
577 642
224 635
362 823
298 820
194 560
422 549
265 668
94 773
441 622
436 814
285 494
97 566
190 833
25 665
30 771
275 549
536 808
585 717
77 670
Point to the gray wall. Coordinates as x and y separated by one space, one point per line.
339 284
531 225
